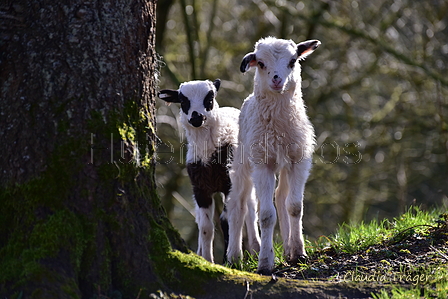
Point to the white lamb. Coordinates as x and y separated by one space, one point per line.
212 137
275 136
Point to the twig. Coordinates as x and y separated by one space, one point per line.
439 252
188 31
283 270
364 35
247 291
184 203
393 239
211 27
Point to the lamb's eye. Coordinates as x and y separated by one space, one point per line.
208 100
292 63
261 64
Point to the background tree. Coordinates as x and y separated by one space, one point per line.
375 92
78 210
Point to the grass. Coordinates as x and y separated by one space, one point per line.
353 238
358 239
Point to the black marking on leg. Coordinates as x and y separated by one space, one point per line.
225 232
203 198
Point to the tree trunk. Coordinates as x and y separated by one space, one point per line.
79 215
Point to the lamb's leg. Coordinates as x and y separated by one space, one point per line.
236 210
251 220
198 220
298 174
280 202
264 181
206 232
204 218
224 221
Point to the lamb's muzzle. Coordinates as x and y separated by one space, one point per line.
197 119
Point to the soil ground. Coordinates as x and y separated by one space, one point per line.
408 259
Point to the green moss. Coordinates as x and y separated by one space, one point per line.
191 262
70 289
178 270
190 273
17 295
62 230
132 127
37 294
22 256
135 128
36 223
159 241
105 271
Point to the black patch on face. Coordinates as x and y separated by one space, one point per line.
197 119
184 103
211 177
208 100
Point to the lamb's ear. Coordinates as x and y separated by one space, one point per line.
306 48
217 84
169 95
249 61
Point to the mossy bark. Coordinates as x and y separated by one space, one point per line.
79 216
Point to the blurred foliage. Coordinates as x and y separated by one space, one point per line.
376 92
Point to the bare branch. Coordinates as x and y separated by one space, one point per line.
375 40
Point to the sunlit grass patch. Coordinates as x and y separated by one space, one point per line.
352 238
414 221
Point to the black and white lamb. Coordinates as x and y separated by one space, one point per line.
212 134
275 136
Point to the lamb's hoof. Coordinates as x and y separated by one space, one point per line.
266 272
301 259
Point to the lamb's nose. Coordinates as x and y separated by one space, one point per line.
197 119
276 79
